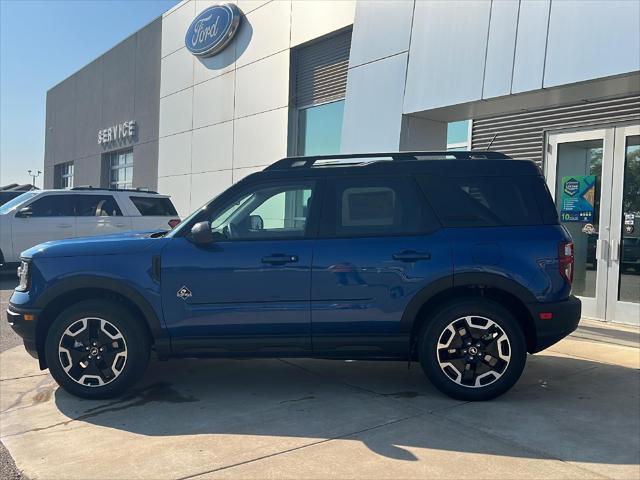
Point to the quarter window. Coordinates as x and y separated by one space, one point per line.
376 206
154 206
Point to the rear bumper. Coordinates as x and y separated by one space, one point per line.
565 316
24 328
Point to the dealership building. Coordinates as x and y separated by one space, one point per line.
209 93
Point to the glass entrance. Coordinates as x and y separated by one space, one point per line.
595 179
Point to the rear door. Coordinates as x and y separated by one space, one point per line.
99 215
48 217
379 246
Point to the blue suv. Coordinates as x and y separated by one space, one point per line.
452 259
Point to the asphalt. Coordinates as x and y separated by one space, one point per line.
574 414
8 339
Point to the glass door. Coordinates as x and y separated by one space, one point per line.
623 303
594 177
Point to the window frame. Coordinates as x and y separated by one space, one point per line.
119 185
328 222
76 205
222 202
65 175
70 205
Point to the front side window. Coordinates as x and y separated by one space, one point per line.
267 212
97 206
120 169
376 206
49 206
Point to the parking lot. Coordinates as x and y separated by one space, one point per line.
574 414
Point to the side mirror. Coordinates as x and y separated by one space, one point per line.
256 223
201 233
24 212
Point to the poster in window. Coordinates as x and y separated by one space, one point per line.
578 198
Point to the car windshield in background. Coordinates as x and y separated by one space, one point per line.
154 207
12 204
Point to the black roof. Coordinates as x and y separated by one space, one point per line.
443 163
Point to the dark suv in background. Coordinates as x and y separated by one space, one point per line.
453 259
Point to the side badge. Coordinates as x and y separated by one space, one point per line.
183 293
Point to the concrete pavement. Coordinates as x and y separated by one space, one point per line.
574 414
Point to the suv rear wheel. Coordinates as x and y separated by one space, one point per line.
473 350
96 349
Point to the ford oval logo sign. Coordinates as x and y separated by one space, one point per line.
212 30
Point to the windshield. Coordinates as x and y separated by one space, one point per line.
13 204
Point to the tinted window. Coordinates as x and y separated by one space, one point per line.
375 206
484 201
154 206
278 211
96 206
51 206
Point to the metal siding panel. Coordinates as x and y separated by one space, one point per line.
591 40
321 70
500 49
531 41
447 54
521 135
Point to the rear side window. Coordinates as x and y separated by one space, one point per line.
373 206
485 201
154 206
97 206
50 206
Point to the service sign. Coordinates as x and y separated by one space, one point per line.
578 198
122 131
212 30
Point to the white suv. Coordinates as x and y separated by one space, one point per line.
39 216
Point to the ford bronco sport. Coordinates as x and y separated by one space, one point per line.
452 259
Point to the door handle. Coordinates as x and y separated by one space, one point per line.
120 225
614 251
602 250
411 256
280 259
64 225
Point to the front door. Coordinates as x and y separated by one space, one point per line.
594 176
248 292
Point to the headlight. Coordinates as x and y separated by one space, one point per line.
23 276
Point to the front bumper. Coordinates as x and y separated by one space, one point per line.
23 327
564 319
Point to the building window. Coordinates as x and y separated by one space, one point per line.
319 86
458 135
320 128
64 175
120 169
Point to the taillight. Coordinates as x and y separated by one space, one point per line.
174 222
566 260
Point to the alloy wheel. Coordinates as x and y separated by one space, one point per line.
92 351
473 351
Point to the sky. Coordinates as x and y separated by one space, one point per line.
42 42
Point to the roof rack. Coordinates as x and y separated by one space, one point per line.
136 190
363 159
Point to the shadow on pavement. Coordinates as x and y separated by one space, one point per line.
566 408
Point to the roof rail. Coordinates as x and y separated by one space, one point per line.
363 159
136 190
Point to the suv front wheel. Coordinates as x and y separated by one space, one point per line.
473 350
97 349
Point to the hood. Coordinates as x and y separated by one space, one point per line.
116 244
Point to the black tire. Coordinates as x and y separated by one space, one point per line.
124 359
466 386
